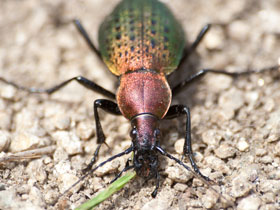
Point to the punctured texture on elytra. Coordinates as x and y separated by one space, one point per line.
141 34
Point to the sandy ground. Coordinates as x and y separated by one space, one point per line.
235 123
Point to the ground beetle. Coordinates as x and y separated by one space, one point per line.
141 42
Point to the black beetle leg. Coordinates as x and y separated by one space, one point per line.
189 50
108 106
179 87
81 80
85 35
176 111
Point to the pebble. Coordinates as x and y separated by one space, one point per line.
61 121
108 168
266 159
249 203
7 92
242 145
210 137
209 199
179 146
5 140
231 100
178 174
217 164
260 152
69 141
215 40
180 187
85 130
36 170
225 151
240 185
25 141
156 204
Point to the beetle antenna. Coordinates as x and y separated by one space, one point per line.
163 152
127 151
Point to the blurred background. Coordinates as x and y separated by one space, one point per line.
235 123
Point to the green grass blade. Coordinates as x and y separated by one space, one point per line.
114 187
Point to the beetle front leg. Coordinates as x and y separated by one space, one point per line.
108 106
174 112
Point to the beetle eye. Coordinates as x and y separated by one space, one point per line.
133 133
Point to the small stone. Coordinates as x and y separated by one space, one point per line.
61 121
231 100
249 203
178 174
68 141
66 177
242 145
8 92
156 204
5 140
179 146
266 159
210 137
36 170
85 130
273 138
209 199
215 40
180 187
24 141
225 151
217 164
108 168
260 152
240 185
252 97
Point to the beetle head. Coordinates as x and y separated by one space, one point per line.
145 136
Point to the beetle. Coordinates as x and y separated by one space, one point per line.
141 42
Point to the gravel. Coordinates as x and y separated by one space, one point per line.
235 122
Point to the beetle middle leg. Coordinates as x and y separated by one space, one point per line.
108 106
81 80
174 112
182 85
85 35
189 50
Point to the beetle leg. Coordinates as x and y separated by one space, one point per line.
174 112
154 193
201 73
108 106
126 168
81 80
189 50
84 34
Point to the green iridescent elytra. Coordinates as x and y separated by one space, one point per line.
141 34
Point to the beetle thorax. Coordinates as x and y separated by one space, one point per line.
143 91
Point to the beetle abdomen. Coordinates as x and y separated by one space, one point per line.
141 34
